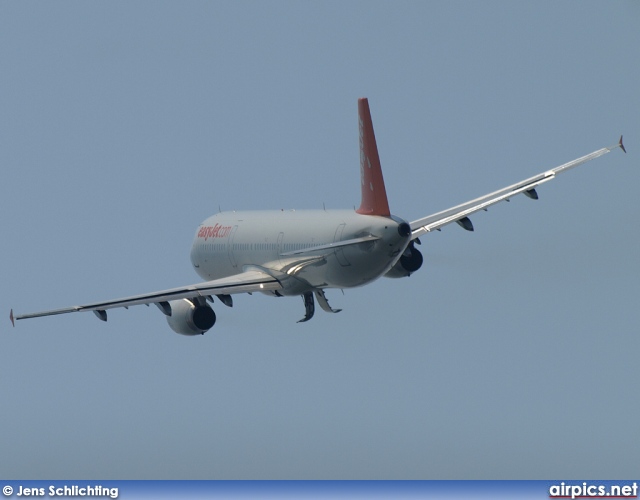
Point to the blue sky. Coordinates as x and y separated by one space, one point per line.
513 352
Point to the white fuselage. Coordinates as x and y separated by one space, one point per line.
277 242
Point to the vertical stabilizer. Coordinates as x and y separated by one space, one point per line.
374 195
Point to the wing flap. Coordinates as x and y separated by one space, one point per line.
248 281
527 186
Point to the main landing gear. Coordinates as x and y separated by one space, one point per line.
309 304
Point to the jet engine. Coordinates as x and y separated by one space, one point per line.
408 263
190 317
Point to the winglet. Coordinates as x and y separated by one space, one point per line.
621 145
374 195
12 318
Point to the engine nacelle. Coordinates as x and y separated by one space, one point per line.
409 263
188 318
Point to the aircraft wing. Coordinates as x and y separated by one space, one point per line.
331 246
528 186
248 281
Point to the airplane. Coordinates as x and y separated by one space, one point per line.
304 252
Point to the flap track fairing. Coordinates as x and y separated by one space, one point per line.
465 223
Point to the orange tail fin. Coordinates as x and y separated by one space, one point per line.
374 195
